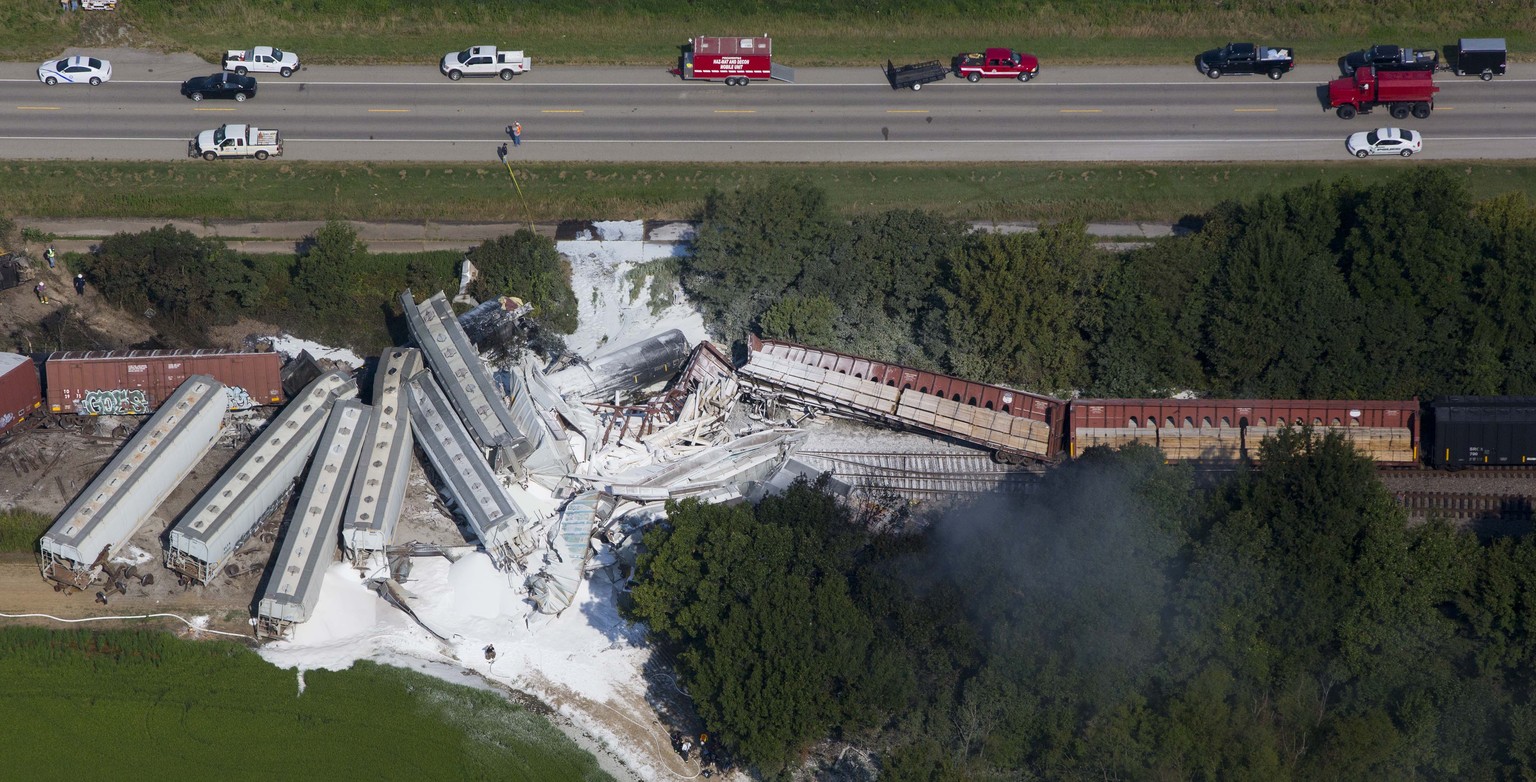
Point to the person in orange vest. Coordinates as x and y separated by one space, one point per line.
517 134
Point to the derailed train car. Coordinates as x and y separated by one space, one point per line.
20 393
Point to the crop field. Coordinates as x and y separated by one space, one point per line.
99 705
806 32
483 193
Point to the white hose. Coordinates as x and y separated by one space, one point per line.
140 616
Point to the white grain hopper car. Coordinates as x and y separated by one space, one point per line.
378 490
229 510
134 483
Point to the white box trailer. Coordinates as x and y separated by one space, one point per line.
133 484
226 513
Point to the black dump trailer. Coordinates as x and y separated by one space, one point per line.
914 76
1483 431
1482 57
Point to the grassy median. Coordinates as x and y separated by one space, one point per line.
805 32
483 193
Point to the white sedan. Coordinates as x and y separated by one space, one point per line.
1385 141
75 70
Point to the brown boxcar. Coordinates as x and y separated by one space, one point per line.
135 382
20 393
995 417
1222 429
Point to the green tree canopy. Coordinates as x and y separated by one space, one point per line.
529 267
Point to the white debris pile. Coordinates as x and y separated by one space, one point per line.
614 309
289 346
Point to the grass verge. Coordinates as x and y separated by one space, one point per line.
212 710
20 529
471 193
806 32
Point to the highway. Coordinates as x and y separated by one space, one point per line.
402 113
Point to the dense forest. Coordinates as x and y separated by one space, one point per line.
1288 625
1325 291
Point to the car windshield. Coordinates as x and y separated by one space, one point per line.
464 55
277 54
218 136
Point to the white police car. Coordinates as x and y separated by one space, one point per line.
1385 141
75 70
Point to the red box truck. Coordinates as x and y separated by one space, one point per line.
736 60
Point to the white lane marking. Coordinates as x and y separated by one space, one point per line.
883 84
551 142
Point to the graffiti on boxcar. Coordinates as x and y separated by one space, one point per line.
113 402
239 399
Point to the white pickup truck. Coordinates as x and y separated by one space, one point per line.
236 141
484 61
261 59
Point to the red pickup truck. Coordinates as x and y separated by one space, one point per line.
996 64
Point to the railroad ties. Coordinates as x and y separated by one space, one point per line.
498 519
226 513
134 483
378 490
309 544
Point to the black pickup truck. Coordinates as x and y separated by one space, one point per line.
1386 57
1246 59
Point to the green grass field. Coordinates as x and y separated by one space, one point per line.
141 703
482 193
806 32
20 529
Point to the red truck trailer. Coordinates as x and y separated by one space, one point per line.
1403 92
736 60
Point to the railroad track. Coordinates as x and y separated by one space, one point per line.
1464 506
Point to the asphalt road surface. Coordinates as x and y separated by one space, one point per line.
404 113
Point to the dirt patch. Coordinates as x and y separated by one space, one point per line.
68 320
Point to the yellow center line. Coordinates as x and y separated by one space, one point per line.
562 111
906 111
211 108
735 111
389 111
1252 110
37 108
1082 111
1445 108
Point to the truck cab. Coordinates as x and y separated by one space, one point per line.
1387 57
1402 92
1246 59
996 63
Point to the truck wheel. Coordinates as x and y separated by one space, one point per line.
973 77
1421 110
1275 74
261 154
210 155
285 73
506 75
196 96
455 75
1214 73
1026 76
1486 75
1346 112
1362 154
742 81
916 86
1399 111
241 71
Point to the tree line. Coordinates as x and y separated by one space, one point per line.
1118 624
332 288
1332 290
